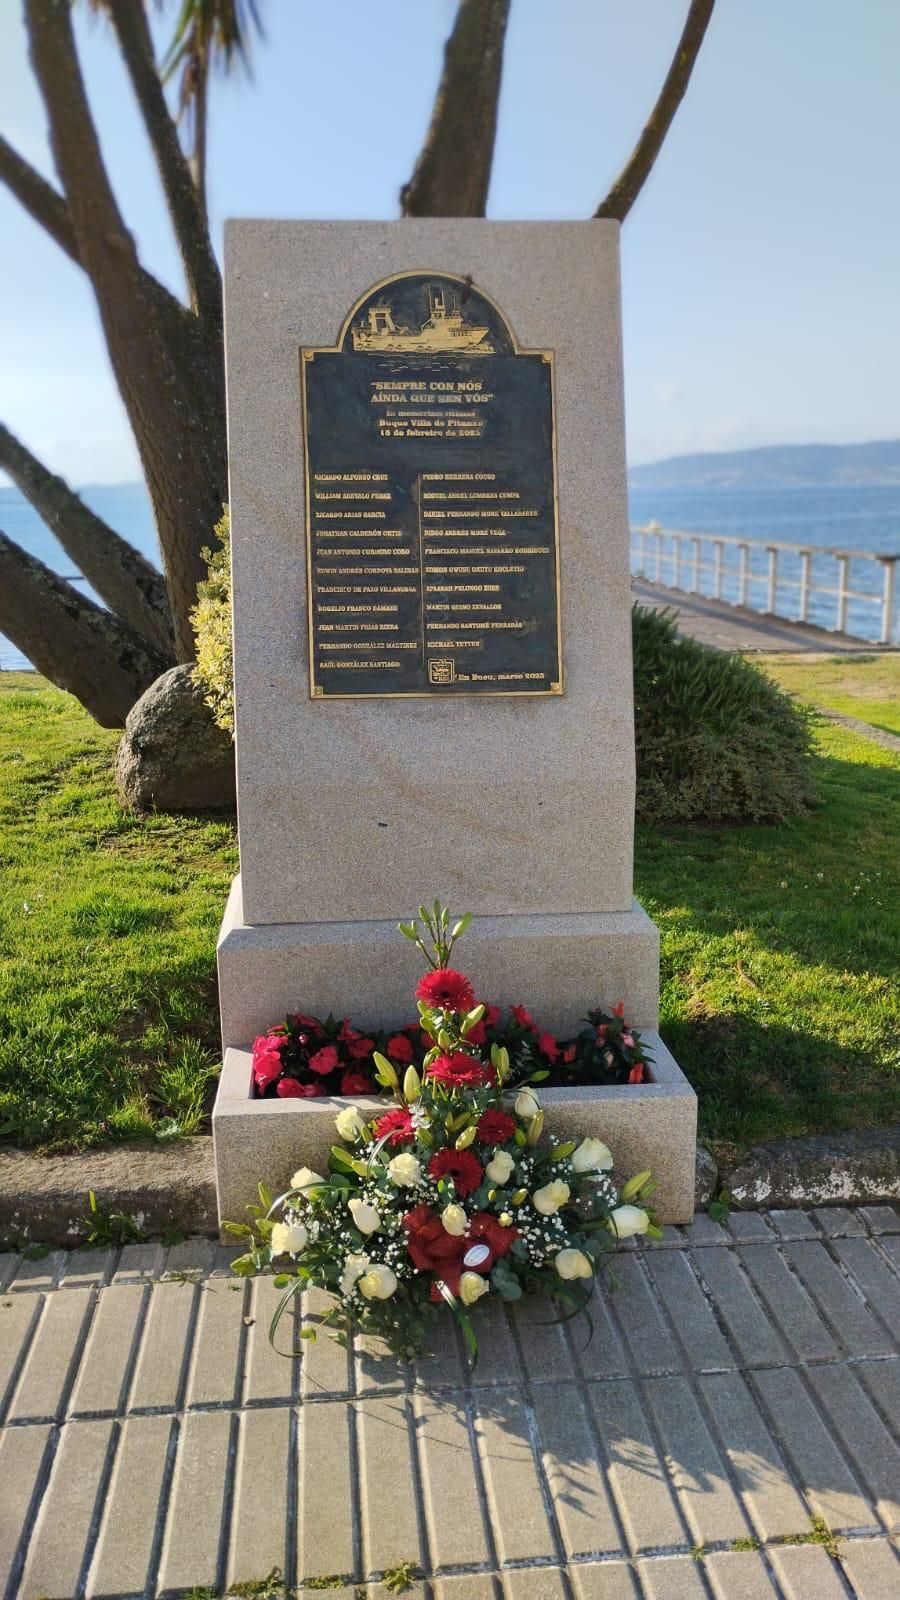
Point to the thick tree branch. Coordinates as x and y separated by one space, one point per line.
75 643
40 199
124 580
453 171
637 169
179 430
183 197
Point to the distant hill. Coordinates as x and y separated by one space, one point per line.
777 466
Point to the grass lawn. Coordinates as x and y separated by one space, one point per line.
107 937
867 687
779 946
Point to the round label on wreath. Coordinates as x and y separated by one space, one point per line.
476 1255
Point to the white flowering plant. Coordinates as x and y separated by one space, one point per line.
455 1193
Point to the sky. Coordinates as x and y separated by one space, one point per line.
760 265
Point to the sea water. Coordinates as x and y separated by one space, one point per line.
843 517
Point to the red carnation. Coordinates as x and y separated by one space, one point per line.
355 1083
461 1166
266 1061
301 1020
549 1046
495 1127
290 1089
398 1124
636 1075
458 1070
324 1060
524 1018
446 990
399 1048
359 1048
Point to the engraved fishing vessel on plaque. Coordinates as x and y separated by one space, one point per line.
431 514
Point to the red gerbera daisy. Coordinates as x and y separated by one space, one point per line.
458 1069
398 1123
446 990
461 1166
495 1127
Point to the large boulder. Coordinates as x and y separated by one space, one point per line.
173 756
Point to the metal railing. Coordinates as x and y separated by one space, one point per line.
676 560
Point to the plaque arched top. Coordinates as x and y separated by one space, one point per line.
430 314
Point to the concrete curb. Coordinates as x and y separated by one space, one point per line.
160 1186
861 1167
172 1186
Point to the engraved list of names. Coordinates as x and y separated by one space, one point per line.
430 500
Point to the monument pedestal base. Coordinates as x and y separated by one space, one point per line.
645 1125
557 965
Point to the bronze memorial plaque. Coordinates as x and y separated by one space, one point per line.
433 554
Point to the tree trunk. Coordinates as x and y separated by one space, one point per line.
640 163
453 171
124 580
179 429
75 643
184 197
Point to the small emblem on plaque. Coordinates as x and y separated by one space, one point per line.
441 671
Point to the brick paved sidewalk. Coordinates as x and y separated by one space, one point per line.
740 1382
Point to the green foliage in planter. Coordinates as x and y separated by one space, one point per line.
211 620
717 741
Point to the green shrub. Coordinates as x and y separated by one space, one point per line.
717 741
211 619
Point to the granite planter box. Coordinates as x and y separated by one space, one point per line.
646 1125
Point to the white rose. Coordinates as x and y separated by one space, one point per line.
626 1220
500 1167
378 1283
367 1219
573 1264
454 1220
304 1178
592 1155
349 1123
405 1171
354 1267
471 1287
288 1238
527 1104
549 1199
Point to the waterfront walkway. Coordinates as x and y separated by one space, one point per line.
729 1432
737 628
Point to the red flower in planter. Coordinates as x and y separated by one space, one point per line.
491 1016
399 1048
446 990
549 1046
524 1018
355 1083
477 1035
324 1060
570 1053
266 1061
290 1089
459 1069
619 1010
636 1075
495 1127
460 1165
301 1020
398 1123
